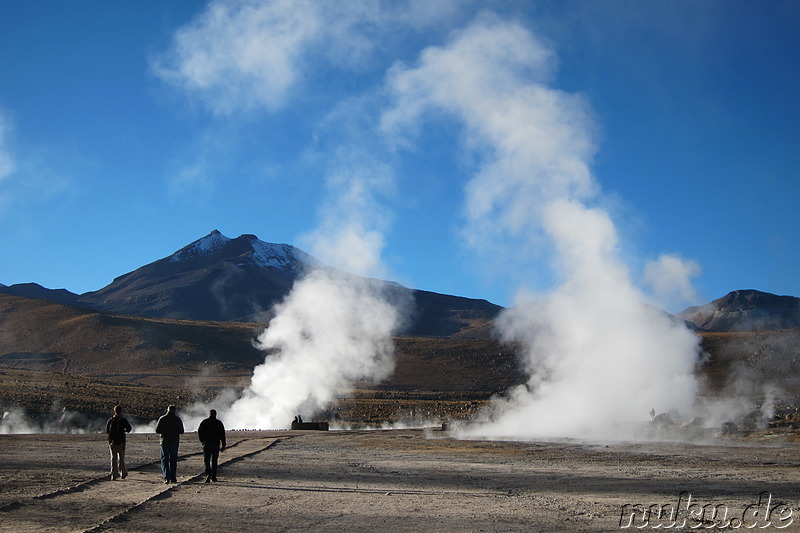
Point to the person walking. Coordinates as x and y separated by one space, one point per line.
170 429
116 428
212 435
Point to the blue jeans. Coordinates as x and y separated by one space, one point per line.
169 460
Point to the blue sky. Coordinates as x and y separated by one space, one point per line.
130 129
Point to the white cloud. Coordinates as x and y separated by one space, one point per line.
241 55
28 175
191 176
191 181
7 163
246 55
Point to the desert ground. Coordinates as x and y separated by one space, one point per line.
399 480
65 368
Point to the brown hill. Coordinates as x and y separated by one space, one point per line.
54 356
51 352
41 335
751 363
746 310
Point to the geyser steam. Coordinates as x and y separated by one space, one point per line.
332 330
335 327
598 355
595 351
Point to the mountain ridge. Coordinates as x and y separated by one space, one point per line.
216 278
241 279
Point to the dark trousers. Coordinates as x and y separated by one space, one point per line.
169 461
211 456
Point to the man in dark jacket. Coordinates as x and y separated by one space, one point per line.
212 435
116 428
170 427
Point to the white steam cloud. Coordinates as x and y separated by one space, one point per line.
57 420
596 353
670 277
334 328
535 141
331 331
350 232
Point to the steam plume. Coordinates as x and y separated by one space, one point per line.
335 327
597 354
332 330
595 351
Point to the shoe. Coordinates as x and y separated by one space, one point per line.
173 480
113 478
166 482
208 479
124 475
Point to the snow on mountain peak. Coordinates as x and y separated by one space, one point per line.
264 254
205 246
281 256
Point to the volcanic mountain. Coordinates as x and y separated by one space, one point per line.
221 279
213 278
746 310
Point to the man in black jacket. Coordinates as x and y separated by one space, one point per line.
170 428
116 428
212 435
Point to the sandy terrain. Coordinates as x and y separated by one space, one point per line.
402 480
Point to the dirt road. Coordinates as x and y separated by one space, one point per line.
402 480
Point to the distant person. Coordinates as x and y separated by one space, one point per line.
212 435
170 428
116 428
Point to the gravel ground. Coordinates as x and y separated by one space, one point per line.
398 480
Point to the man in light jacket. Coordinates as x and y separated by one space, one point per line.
116 428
